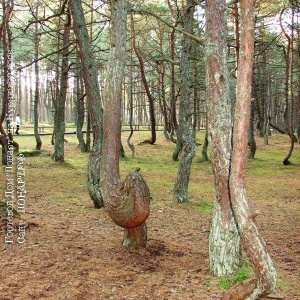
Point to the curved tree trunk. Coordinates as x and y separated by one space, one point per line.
289 86
152 139
127 203
224 241
130 97
185 137
252 241
94 101
162 99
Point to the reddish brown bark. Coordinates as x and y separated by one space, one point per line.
251 239
127 203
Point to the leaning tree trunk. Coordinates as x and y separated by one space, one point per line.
94 101
224 241
252 241
60 103
152 139
127 203
290 87
184 134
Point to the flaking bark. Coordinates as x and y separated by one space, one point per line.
224 241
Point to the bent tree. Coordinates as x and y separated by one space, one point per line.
90 77
232 208
126 202
136 50
252 241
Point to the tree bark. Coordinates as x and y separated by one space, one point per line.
289 85
130 97
94 101
204 156
224 241
60 103
173 116
252 142
5 115
184 135
79 110
152 139
251 239
37 84
127 203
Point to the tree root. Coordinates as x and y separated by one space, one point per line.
240 290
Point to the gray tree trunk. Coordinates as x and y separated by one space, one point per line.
37 85
204 155
185 137
224 239
79 110
60 103
94 101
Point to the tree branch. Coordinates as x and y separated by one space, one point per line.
232 2
45 56
47 18
150 13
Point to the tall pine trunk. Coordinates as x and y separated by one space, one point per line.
36 101
60 103
224 241
185 137
252 241
90 77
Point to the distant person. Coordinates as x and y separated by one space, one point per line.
18 123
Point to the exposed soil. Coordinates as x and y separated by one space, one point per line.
73 251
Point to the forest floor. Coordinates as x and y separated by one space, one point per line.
73 251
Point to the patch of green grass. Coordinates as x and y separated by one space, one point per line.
64 196
30 152
244 272
67 165
207 283
3 211
204 206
